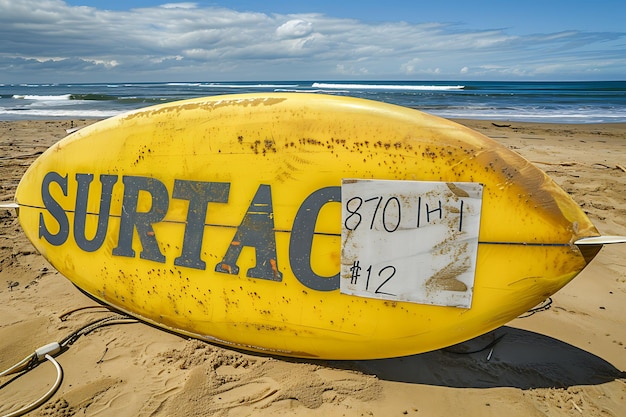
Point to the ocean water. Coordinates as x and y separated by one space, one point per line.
554 102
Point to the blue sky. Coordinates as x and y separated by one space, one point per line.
151 40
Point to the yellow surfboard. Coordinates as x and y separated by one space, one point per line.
303 225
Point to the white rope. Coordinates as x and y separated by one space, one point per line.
46 396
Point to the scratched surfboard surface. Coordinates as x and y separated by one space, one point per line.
302 225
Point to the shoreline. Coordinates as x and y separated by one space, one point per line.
567 360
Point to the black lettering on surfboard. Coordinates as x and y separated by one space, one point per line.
199 194
80 215
256 230
141 221
301 241
55 209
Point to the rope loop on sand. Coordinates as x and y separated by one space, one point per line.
46 352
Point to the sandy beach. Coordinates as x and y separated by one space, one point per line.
566 360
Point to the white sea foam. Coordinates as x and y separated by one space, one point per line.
43 98
408 87
183 84
54 113
552 116
222 85
218 85
287 90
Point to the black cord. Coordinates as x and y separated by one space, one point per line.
546 305
94 325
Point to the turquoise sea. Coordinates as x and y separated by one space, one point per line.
554 102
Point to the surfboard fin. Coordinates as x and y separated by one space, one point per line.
590 246
9 206
600 240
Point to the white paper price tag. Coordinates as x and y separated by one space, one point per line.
410 241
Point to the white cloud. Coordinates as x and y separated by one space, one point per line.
350 70
48 38
295 28
108 64
411 67
179 6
